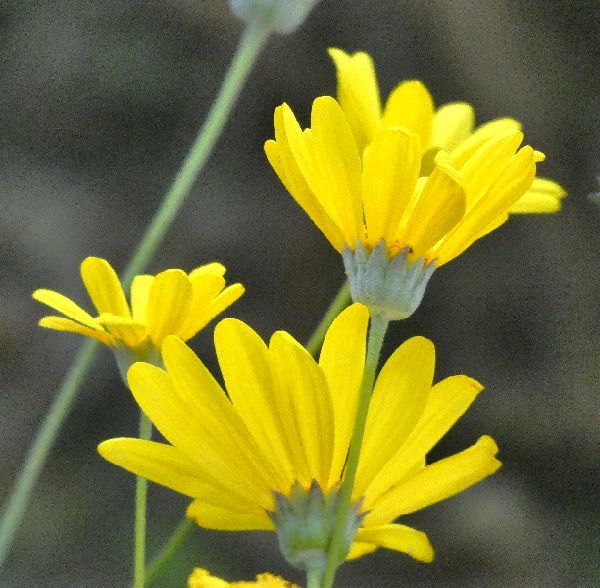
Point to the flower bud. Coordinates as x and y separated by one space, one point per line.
283 16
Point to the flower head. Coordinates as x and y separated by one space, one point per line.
201 578
277 440
450 127
361 201
170 303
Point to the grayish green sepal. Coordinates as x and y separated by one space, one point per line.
126 357
390 288
304 523
283 16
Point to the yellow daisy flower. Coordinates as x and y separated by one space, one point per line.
270 452
170 303
201 578
377 203
450 127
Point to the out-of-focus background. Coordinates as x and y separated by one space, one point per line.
99 101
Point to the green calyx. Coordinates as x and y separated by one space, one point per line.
126 357
304 523
391 288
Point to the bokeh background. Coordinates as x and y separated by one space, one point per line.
99 101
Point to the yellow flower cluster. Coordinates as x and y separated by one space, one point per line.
398 190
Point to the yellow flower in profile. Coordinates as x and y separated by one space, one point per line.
450 127
270 452
201 578
392 226
170 303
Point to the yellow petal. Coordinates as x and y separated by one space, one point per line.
66 306
359 549
392 164
486 164
461 153
168 304
305 401
399 538
203 440
200 394
215 516
203 315
336 177
514 181
214 269
126 331
140 293
410 106
342 360
452 124
165 465
399 398
104 287
59 323
205 287
358 93
440 207
447 402
544 196
436 482
286 166
246 367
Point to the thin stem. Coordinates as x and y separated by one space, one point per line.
141 500
338 304
376 335
248 50
313 577
23 488
175 540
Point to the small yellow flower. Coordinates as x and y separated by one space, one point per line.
201 578
279 437
450 127
170 303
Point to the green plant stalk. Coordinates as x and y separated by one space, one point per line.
168 550
23 488
141 500
248 50
377 332
341 300
338 304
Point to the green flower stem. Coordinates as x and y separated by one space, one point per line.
170 547
338 304
141 500
248 50
23 488
180 533
313 577
377 332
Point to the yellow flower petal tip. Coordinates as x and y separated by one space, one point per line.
170 303
275 440
201 578
429 197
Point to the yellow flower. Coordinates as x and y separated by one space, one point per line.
450 127
170 303
277 440
203 579
376 202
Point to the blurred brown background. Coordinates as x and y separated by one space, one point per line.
99 101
